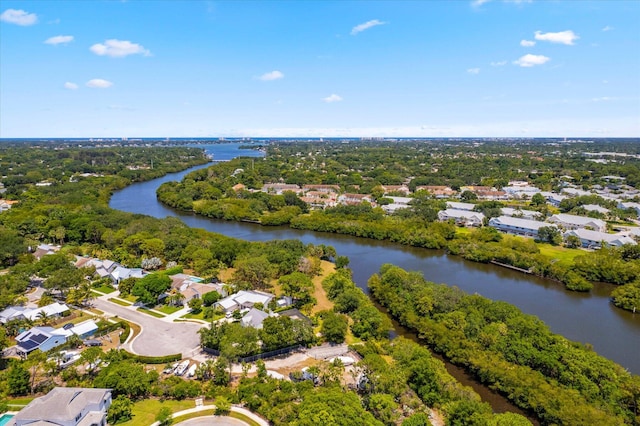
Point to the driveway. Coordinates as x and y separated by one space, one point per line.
213 420
157 337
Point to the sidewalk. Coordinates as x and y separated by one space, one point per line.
240 410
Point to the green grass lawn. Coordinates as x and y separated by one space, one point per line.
19 402
144 412
167 309
106 289
150 312
564 255
120 302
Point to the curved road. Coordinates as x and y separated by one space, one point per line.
157 337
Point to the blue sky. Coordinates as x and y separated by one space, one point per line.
324 68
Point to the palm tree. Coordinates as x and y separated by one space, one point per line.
43 318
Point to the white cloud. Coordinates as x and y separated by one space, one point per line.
98 83
369 24
70 86
607 28
499 64
59 40
478 3
527 43
118 49
18 17
562 37
332 98
270 76
530 60
473 70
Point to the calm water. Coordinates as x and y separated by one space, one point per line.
587 318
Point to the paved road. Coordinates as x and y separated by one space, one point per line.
212 420
157 337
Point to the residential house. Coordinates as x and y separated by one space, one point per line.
326 189
44 250
6 204
629 205
254 318
522 214
595 208
553 198
594 239
244 299
46 338
491 195
66 407
238 187
320 199
402 189
517 226
460 206
438 191
398 203
461 217
354 199
279 188
574 192
570 221
19 312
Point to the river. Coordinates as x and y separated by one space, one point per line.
587 318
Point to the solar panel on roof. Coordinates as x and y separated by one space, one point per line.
68 326
28 345
39 338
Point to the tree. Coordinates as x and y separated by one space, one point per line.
18 380
91 356
384 408
164 416
550 234
196 305
12 245
254 272
467 196
342 262
149 288
126 378
120 410
334 327
418 419
538 200
297 285
210 298
223 406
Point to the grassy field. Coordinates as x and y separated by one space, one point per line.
144 412
150 312
564 255
321 296
19 402
106 289
120 302
167 309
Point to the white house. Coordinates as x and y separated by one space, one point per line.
595 208
46 338
19 312
516 226
460 206
398 203
523 214
630 205
244 299
570 221
553 198
254 318
461 217
595 239
66 407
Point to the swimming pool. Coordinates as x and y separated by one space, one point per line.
4 419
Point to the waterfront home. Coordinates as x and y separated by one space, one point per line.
398 203
461 217
354 199
66 407
570 221
594 239
517 226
